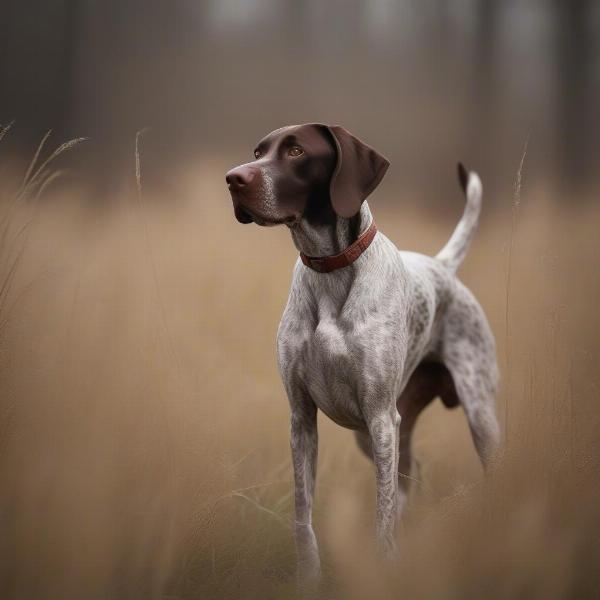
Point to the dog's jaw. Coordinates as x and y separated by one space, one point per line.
330 238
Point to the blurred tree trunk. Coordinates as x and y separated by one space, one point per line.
574 46
65 85
38 45
295 17
483 85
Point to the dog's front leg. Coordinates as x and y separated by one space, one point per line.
304 444
384 430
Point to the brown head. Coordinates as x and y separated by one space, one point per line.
310 171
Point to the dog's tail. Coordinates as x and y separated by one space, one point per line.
454 252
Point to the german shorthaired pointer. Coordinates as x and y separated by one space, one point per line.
370 334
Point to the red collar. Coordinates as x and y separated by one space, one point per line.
326 264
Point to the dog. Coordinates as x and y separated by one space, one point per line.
370 334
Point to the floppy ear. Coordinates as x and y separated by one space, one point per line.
358 172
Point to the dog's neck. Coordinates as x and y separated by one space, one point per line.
330 238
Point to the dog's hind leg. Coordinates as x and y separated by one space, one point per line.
470 356
429 381
477 399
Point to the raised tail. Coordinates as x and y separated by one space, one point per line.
454 252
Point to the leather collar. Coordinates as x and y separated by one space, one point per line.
326 264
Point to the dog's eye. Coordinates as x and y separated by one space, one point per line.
295 151
257 154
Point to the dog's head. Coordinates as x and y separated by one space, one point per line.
305 171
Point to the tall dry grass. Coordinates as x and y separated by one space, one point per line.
144 449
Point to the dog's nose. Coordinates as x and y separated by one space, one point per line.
239 177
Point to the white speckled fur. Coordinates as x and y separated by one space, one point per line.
349 341
268 191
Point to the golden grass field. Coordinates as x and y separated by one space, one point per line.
144 429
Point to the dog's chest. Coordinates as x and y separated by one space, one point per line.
326 362
337 362
341 339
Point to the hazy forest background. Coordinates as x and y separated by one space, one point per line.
143 425
426 81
